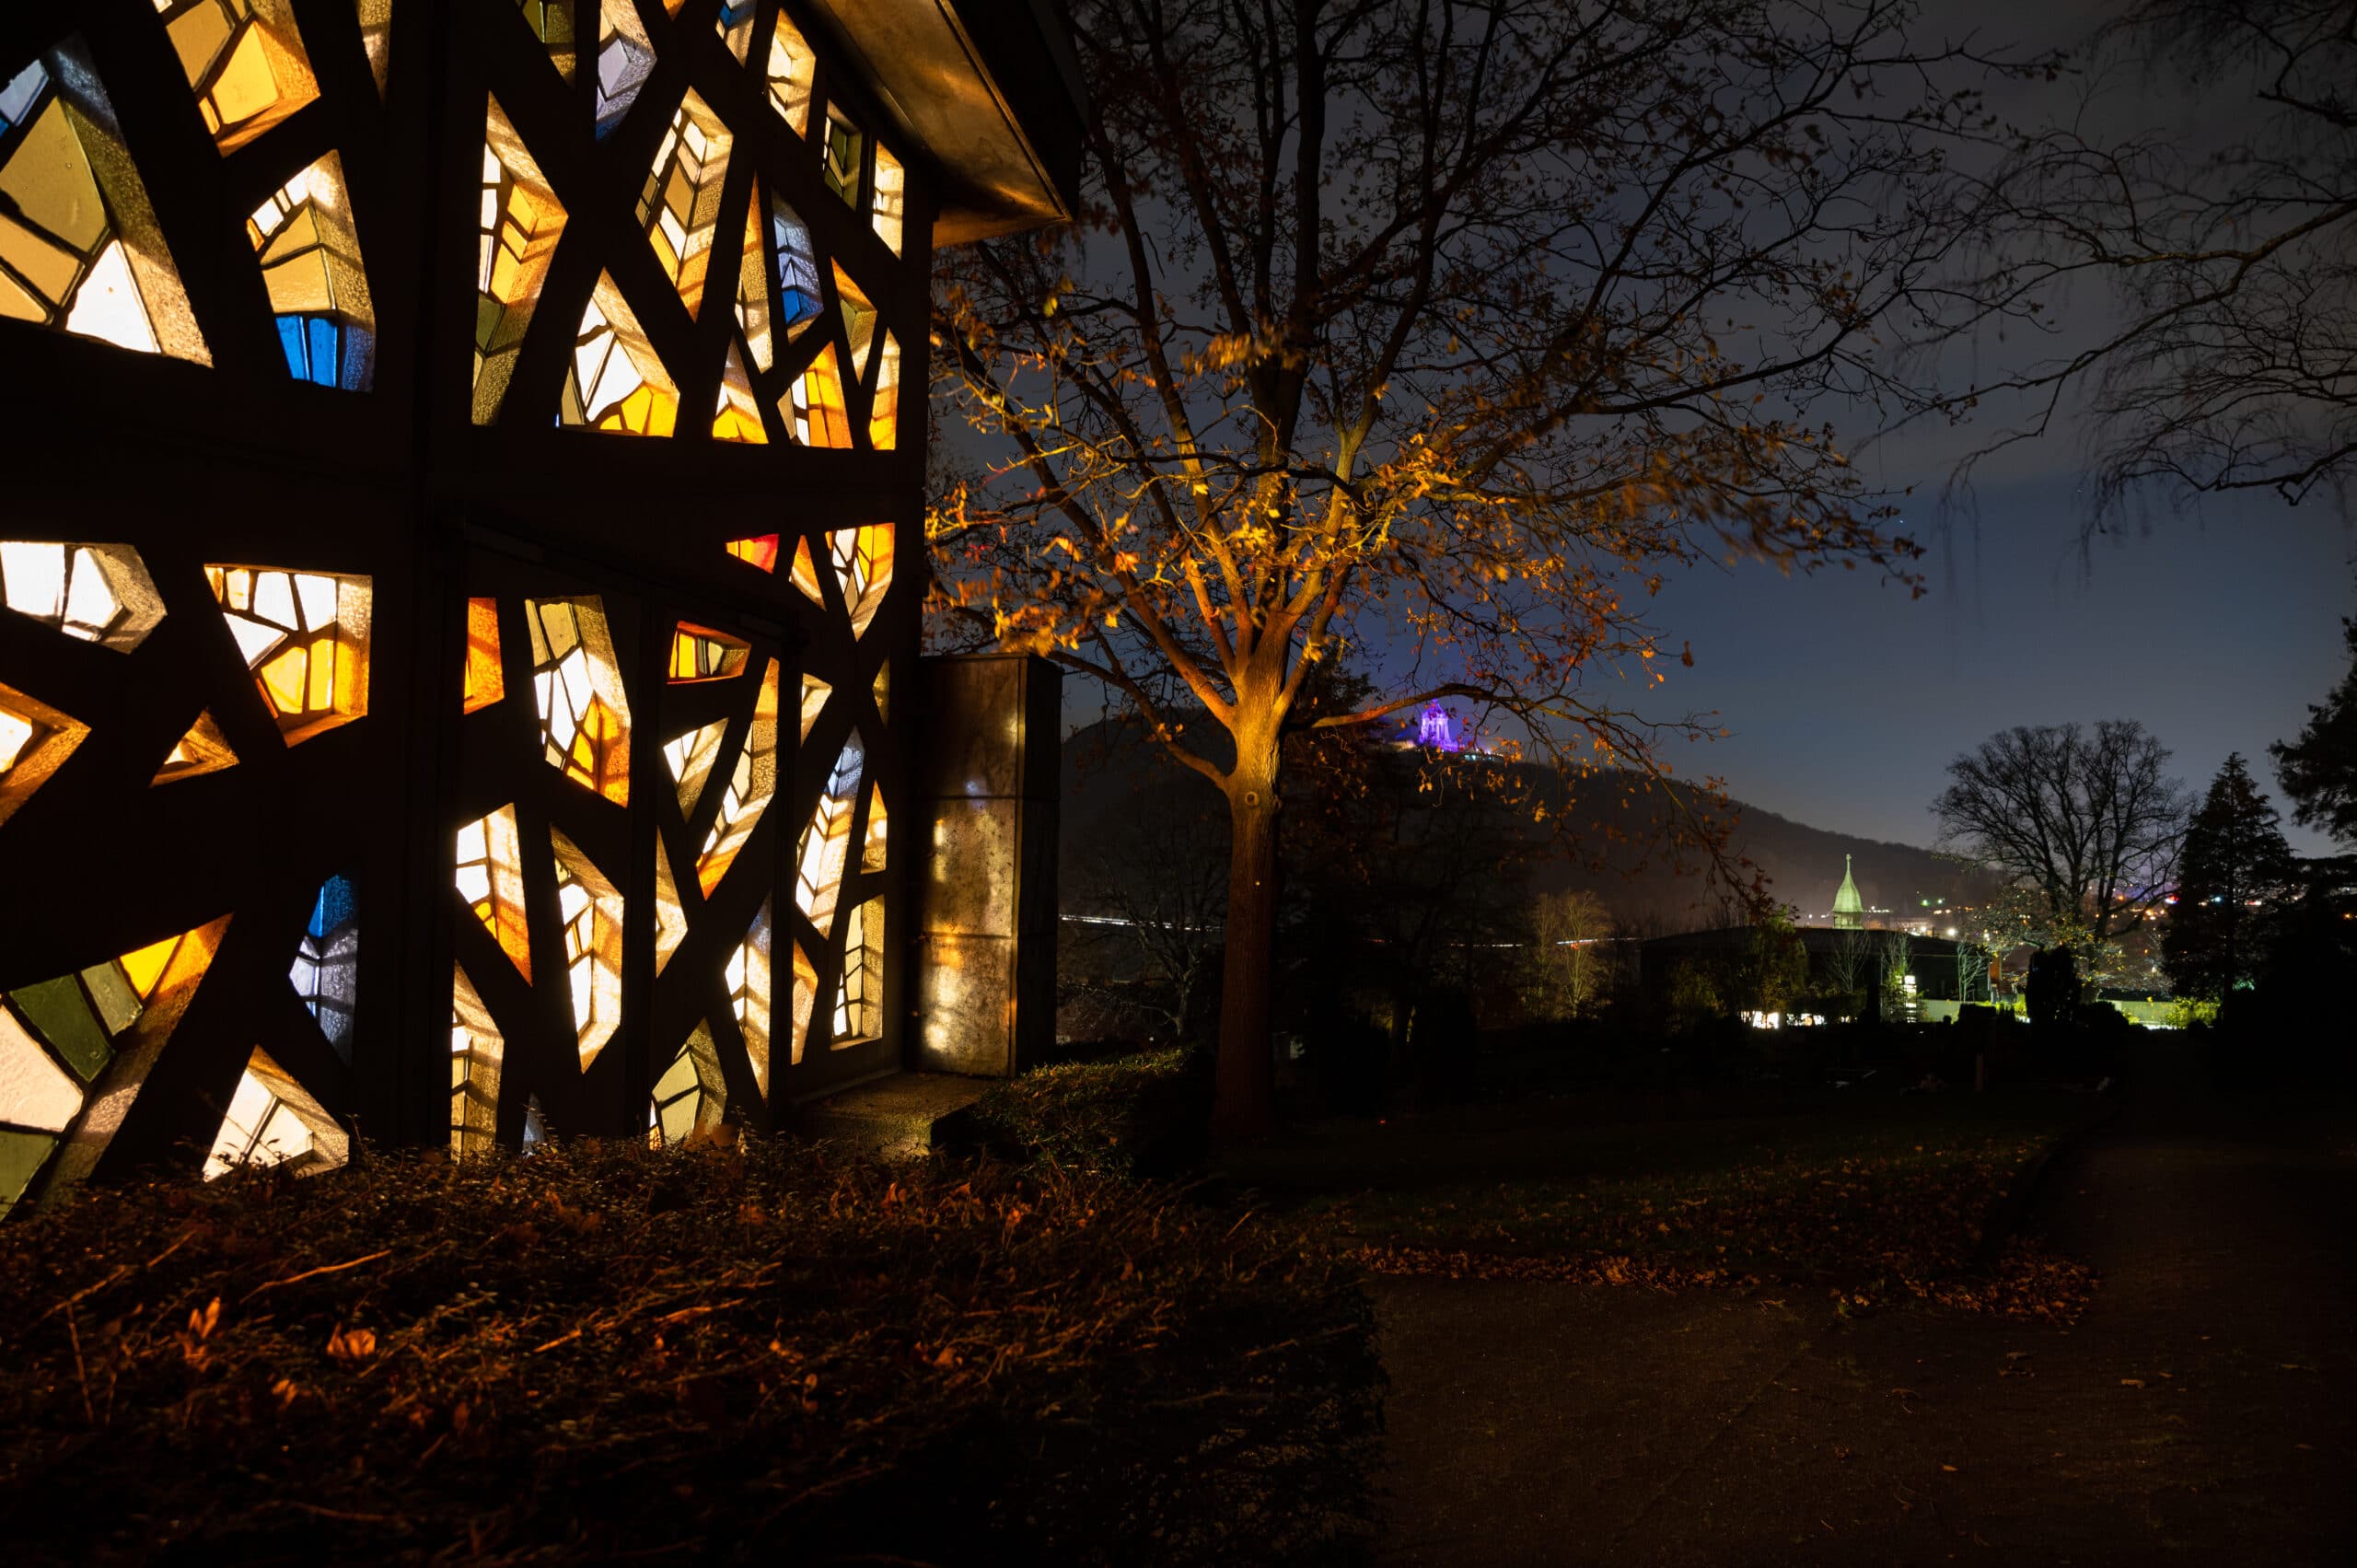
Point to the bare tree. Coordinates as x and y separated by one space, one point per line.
1849 962
2232 364
2087 821
1436 331
1572 963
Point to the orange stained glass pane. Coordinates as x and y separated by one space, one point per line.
859 320
691 756
145 966
490 876
820 416
884 408
760 551
305 635
806 999
585 717
805 573
699 653
753 288
476 1050
736 416
814 694
35 740
244 60
519 223
486 681
593 912
863 561
617 383
751 784
819 862
204 749
871 853
670 915
891 198
678 204
793 67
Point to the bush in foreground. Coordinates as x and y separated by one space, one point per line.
599 1352
1147 1115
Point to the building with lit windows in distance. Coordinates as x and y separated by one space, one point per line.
458 675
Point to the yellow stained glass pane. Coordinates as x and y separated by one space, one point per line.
146 965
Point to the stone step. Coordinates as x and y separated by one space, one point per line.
900 1117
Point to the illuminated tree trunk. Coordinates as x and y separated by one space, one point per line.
1245 1103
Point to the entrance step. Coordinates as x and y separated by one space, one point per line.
901 1115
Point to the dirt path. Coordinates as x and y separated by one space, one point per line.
2204 1411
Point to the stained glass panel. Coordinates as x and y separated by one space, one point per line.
814 694
735 416
625 59
680 203
859 1002
798 297
376 39
325 972
699 653
750 785
871 852
759 551
100 593
617 382
862 558
689 757
592 912
305 635
884 408
821 418
476 1050
891 198
35 740
272 1121
585 715
806 1000
736 26
486 679
792 66
819 862
859 320
805 573
690 1094
204 749
552 22
519 222
310 261
244 60
748 974
490 876
840 155
670 915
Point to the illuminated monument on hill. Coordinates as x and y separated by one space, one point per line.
1848 910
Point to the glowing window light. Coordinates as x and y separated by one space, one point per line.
800 299
310 263
244 61
859 320
520 221
689 757
592 912
759 551
617 383
326 970
748 974
670 915
486 680
376 40
750 785
871 852
891 198
625 59
859 1001
699 654
792 66
678 205
202 750
98 593
552 22
805 573
806 1000
585 715
304 636
819 860
735 25
736 415
690 1094
814 694
490 876
820 417
272 1120
841 152
884 408
863 561
476 1049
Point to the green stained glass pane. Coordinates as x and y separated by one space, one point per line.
57 1009
21 1155
119 1005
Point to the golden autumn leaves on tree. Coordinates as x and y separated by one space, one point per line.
1429 336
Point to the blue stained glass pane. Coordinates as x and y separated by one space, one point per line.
326 356
16 97
732 12
338 900
290 338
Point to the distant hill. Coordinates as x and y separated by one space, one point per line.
1113 778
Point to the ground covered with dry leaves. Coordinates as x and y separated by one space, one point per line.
599 1352
1864 1213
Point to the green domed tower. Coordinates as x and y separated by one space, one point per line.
1848 910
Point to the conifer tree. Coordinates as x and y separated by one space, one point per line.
2235 870
2318 770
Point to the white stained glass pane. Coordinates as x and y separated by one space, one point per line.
318 594
571 900
14 733
471 842
578 686
34 1091
584 1003
255 641
274 601
108 307
90 604
475 884
35 574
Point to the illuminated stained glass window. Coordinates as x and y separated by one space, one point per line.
272 1120
553 21
204 749
35 740
486 679
310 261
890 216
859 320
798 298
871 852
377 38
690 1095
592 912
617 382
884 408
759 551
476 1050
806 1000
735 25
680 204
859 1002
839 156
305 635
100 593
689 757
490 876
520 221
862 558
792 65
699 653
735 416
753 292
80 250
58 1037
818 863
585 715
670 916
244 60
750 785
805 573
325 972
625 59
814 694
821 418
883 694
748 974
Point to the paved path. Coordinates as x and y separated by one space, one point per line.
2203 1411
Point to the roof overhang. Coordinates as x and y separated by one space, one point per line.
989 89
